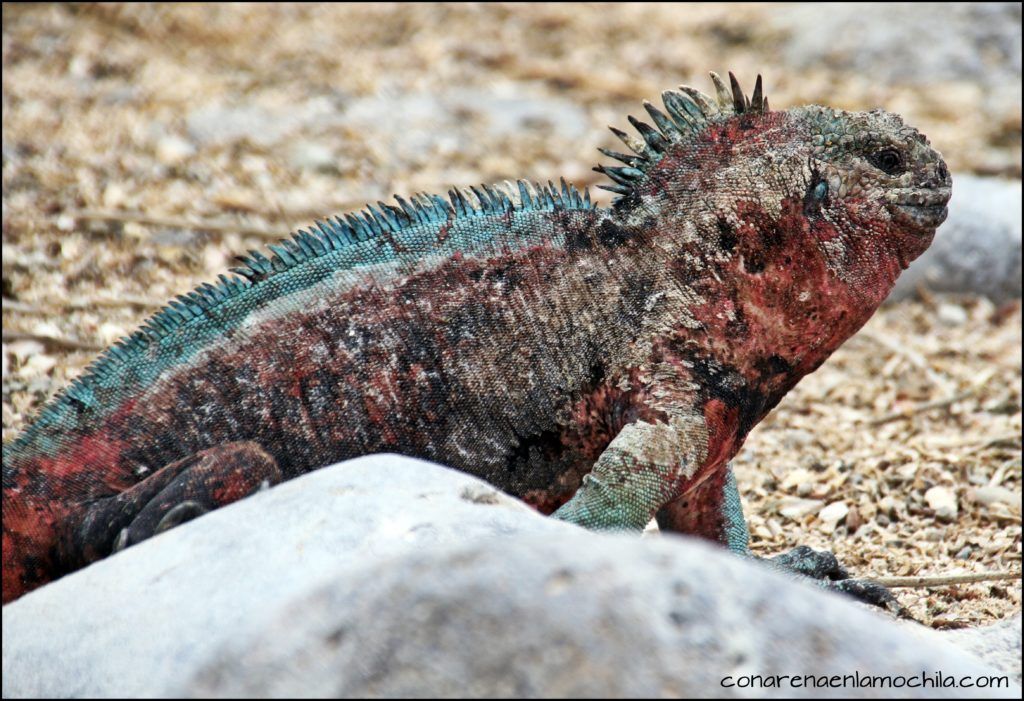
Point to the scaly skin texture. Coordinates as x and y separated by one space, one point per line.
602 365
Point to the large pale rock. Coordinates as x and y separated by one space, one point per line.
220 124
389 576
975 42
998 645
145 619
584 615
413 126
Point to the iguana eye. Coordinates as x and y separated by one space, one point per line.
887 160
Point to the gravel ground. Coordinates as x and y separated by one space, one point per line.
143 146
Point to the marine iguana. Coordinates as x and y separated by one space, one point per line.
602 364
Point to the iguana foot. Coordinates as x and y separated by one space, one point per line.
816 564
177 493
182 513
823 567
202 483
870 593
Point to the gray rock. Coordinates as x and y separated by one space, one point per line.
220 124
416 125
312 155
978 249
142 620
391 576
998 645
965 41
408 126
587 614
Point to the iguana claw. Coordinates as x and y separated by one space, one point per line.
822 566
183 512
121 542
870 593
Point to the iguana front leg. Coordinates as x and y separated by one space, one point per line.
713 510
637 473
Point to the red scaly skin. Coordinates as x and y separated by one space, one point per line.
603 365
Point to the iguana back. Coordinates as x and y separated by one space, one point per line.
387 314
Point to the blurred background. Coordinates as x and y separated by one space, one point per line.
145 145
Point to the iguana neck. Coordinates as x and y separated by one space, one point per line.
756 295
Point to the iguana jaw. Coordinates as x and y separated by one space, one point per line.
923 211
917 213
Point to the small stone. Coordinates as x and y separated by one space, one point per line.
40 364
108 333
80 67
47 328
39 385
797 477
952 314
854 519
907 472
172 149
943 501
114 196
831 515
236 199
795 508
993 495
309 155
887 506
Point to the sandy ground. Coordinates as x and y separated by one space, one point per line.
144 146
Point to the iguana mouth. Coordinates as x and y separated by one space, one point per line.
922 209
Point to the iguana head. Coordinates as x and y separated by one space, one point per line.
784 230
876 176
860 192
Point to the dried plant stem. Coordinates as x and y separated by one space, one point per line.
12 305
942 580
56 341
926 406
218 227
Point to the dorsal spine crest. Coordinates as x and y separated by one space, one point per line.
689 112
326 236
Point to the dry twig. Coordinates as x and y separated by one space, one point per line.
57 341
217 227
943 580
925 406
12 305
